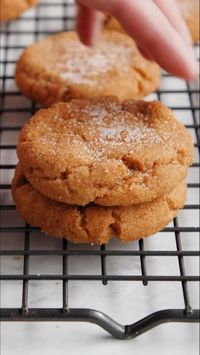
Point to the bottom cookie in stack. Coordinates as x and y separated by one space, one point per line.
92 223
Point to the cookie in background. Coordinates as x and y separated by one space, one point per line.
10 9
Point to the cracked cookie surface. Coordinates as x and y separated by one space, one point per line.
10 9
94 224
105 152
59 68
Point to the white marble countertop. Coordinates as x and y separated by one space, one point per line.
125 301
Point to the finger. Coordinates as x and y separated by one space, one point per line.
89 24
171 11
146 23
100 5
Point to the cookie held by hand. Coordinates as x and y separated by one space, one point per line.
59 68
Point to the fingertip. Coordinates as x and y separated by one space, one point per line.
191 73
188 69
192 65
186 36
89 25
177 57
145 53
96 28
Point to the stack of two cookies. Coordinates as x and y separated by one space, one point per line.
90 170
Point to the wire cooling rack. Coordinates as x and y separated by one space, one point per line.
162 271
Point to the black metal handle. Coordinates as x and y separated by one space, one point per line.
93 316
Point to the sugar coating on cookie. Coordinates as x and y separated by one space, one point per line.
94 224
85 65
10 9
104 151
59 68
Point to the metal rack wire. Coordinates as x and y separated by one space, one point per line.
24 313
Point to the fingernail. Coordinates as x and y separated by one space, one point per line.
193 67
96 29
188 37
95 35
93 39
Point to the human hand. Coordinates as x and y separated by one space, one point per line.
156 26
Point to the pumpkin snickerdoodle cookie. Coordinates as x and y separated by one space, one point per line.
104 151
10 9
59 68
188 8
94 224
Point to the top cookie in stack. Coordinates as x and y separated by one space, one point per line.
105 152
